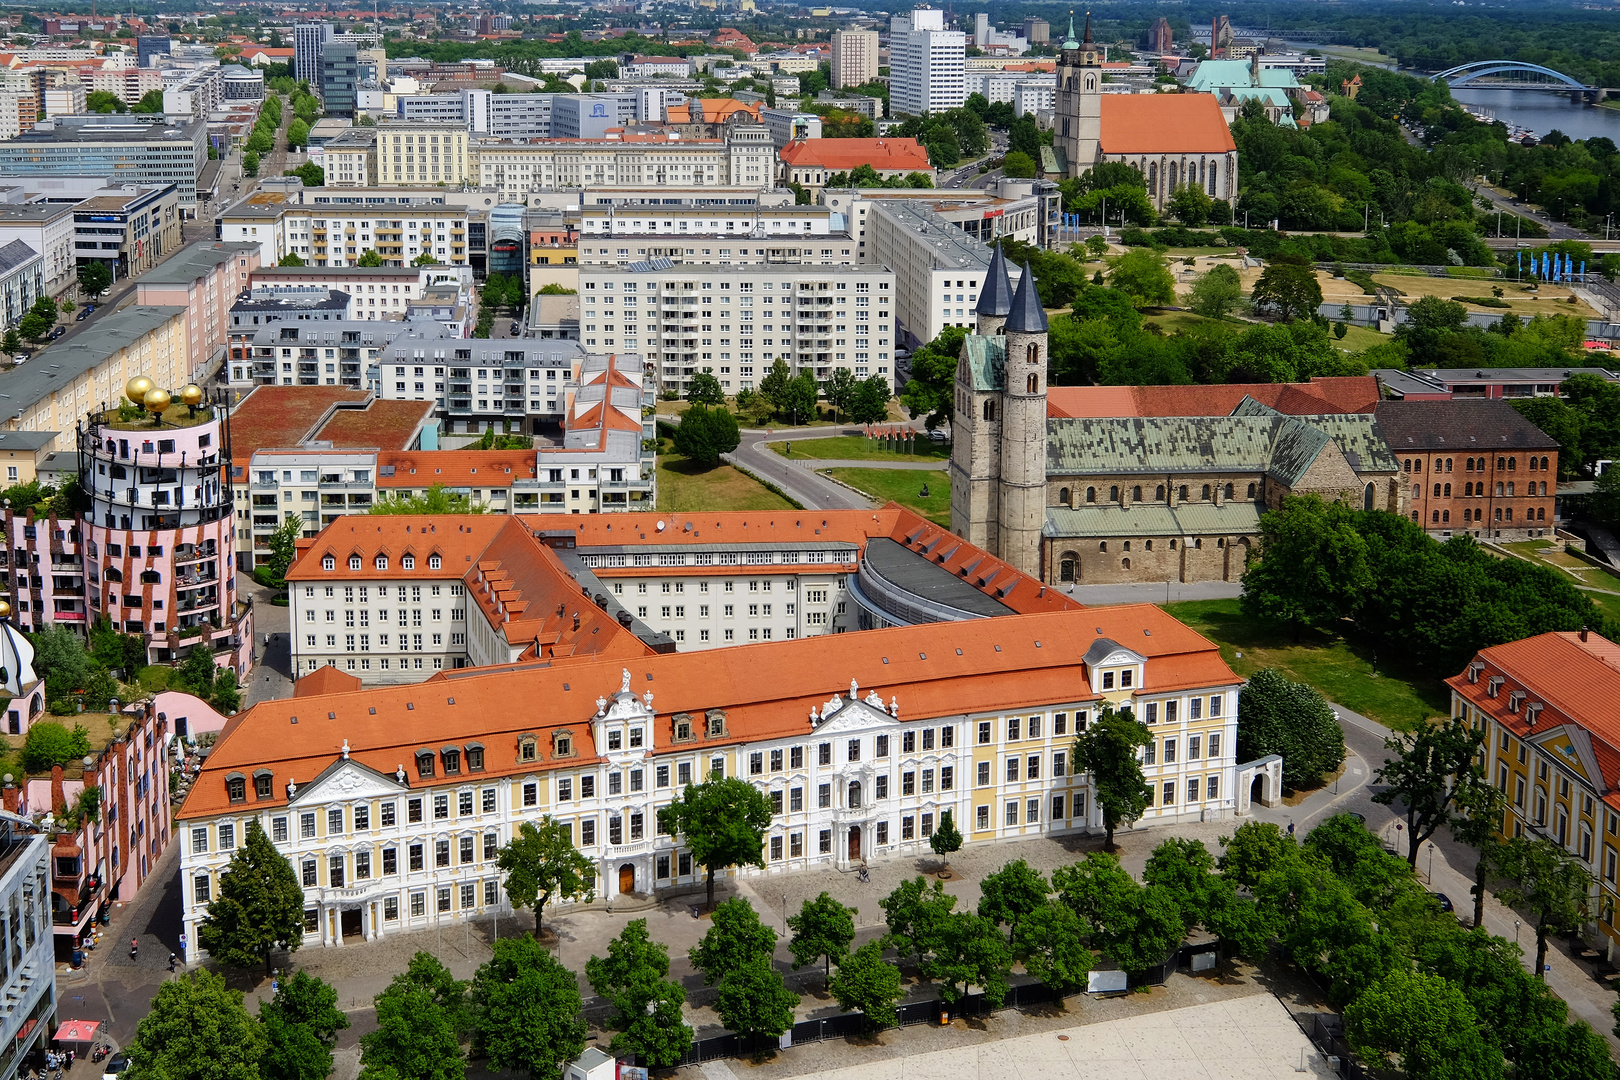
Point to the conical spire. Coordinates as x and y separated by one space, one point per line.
1069 42
996 298
1087 39
1027 316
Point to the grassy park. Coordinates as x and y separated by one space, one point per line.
859 448
1342 669
682 487
903 486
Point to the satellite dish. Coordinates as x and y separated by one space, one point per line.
660 526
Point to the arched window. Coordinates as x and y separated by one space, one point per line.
1127 545
1254 489
112 573
1508 513
1468 489
1499 487
1436 518
1206 493
1158 493
1513 464
1437 491
1125 564
1544 464
1153 177
1229 491
989 410
1448 464
1541 513
1501 463
1181 493
1211 176
1069 566
1445 517
1033 385
1366 497
1136 493
1172 545
1091 494
1510 487
1103 546
1220 543
1414 515
1448 491
1063 496
1113 494
1417 491
1032 353
1543 490
1148 544
1498 513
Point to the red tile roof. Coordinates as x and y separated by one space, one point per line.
1332 394
934 670
457 539
1164 124
841 155
326 680
455 468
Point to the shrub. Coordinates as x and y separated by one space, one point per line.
49 743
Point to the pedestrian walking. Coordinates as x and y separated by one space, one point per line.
134 947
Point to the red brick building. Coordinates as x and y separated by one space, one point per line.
1473 466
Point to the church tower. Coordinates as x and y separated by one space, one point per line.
1022 488
1079 100
976 413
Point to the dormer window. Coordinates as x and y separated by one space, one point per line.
354 562
452 760
1514 699
528 749
328 563
683 728
475 757
1127 678
263 784
1108 680
382 562
1492 685
236 787
424 764
615 740
562 744
408 562
434 562
716 727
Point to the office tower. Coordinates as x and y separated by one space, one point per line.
926 63
981 29
854 58
148 47
339 67
1037 31
308 39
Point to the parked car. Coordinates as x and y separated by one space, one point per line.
56 332
938 436
84 314
516 329
115 1065
1444 901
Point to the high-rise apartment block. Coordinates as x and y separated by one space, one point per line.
854 57
926 64
308 40
1037 31
339 78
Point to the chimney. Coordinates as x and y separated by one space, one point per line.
576 620
1584 632
9 795
58 798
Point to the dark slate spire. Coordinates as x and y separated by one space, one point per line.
1087 39
1027 316
996 298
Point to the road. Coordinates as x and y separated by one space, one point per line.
1508 204
965 174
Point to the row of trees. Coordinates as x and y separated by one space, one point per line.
1320 564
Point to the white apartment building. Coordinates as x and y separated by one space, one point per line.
854 57
714 235
336 235
48 228
745 158
476 384
734 322
1035 97
937 268
926 63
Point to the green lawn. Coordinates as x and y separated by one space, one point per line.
860 448
904 487
681 487
1583 572
1342 670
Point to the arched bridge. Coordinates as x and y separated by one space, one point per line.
1519 76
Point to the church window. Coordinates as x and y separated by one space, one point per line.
1148 544
1158 493
1212 168
1255 488
1206 493
1103 546
1113 494
1181 493
1091 494
1033 353
1127 545
1220 543
1063 496
1172 545
1366 498
1229 491
989 410
1136 494
1153 176
1125 563
1091 83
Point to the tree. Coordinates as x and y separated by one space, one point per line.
1191 204
59 655
1141 275
39 320
964 949
1185 870
540 864
310 173
1426 1024
704 389
931 389
868 982
198 1029
721 821
260 906
871 400
1291 719
753 999
1561 1051
1108 750
435 500
422 1017
839 390
250 163
113 651
226 694
425 259
1539 876
94 277
1312 566
647 1003
735 937
823 928
297 135
292 258
912 910
12 341
946 839
1018 165
799 398
1431 768
1011 893
283 545
1217 292
260 141
704 434
1289 288
528 1009
1479 813
301 1022
1050 941
369 257
101 101
1136 926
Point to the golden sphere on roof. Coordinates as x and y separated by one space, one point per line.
5 609
136 389
191 394
156 400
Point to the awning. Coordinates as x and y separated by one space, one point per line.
78 1031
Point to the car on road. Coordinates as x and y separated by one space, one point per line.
938 436
56 333
1444 901
81 316
516 330
115 1065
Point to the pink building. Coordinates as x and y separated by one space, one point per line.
205 279
161 533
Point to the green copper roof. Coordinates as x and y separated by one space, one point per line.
986 360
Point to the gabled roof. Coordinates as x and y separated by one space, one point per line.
1163 124
326 680
1332 394
1461 425
842 155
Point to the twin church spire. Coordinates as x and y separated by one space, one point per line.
1020 310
